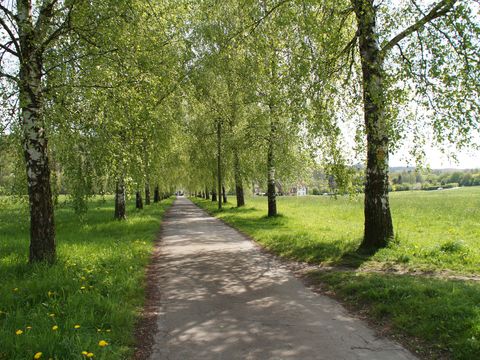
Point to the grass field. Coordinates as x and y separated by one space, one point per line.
92 293
436 231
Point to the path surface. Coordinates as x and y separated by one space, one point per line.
222 298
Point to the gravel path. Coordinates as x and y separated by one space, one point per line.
222 298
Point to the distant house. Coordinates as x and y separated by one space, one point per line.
299 190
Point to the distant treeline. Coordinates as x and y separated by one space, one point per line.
412 180
402 179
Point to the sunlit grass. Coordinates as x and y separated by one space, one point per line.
96 283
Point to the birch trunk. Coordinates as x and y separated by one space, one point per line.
378 221
219 163
42 227
147 193
120 200
138 200
224 194
272 200
238 180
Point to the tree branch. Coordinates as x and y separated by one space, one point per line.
440 9
7 49
267 14
8 76
65 26
11 35
46 13
9 13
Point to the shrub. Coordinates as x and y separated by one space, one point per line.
403 187
450 185
454 246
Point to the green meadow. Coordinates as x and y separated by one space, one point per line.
86 305
437 233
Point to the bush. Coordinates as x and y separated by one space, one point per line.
403 187
429 187
315 191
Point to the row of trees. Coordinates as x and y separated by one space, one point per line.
208 94
88 75
308 67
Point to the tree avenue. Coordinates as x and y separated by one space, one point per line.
142 98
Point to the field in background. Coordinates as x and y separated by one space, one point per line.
92 293
437 231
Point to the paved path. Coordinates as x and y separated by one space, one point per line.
222 298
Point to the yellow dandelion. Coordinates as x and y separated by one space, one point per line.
108 330
99 330
29 328
76 326
90 355
85 353
102 343
37 355
82 288
55 327
51 315
19 332
50 293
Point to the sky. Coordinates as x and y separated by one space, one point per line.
436 160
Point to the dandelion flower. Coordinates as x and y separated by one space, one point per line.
76 326
85 353
19 332
29 328
82 288
51 315
90 355
102 343
37 355
108 330
55 327
50 293
99 330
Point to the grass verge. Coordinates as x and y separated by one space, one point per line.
92 293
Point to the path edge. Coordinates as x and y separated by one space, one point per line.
146 325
